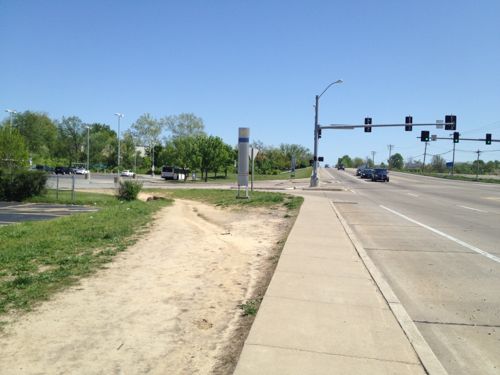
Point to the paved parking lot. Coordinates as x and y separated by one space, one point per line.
16 212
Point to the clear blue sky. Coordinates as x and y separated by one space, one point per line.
259 64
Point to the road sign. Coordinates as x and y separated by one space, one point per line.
439 124
434 137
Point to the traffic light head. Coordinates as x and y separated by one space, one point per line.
450 122
488 138
456 137
319 133
408 122
368 121
424 136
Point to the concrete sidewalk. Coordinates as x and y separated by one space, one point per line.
323 313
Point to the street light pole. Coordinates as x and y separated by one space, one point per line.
11 112
314 176
88 148
119 115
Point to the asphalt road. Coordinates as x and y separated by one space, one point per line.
437 243
16 212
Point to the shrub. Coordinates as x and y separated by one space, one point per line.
20 184
129 190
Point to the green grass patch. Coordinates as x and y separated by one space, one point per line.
481 178
227 198
40 258
232 177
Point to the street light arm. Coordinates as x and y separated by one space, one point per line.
327 87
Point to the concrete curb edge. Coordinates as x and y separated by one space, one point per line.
424 352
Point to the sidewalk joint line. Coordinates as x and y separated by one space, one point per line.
335 354
458 324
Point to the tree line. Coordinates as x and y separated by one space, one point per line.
176 140
436 164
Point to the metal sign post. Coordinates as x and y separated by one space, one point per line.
253 155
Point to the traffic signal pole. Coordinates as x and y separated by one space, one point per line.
453 160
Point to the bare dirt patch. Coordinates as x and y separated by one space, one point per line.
168 305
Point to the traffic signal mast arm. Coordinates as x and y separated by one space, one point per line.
345 126
466 139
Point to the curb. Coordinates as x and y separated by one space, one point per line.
424 352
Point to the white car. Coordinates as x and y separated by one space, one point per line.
81 171
127 173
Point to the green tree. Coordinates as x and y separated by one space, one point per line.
301 154
184 125
147 130
346 161
396 161
357 162
71 140
39 132
103 145
438 164
212 154
13 150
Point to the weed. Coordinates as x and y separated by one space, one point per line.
251 306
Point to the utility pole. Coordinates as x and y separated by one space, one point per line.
425 154
373 158
389 160
477 165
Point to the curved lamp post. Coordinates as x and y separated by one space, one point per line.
314 177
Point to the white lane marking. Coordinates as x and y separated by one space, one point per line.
413 195
473 209
460 242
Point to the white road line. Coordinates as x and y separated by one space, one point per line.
460 242
413 195
473 209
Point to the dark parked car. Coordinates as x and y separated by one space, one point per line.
63 170
380 174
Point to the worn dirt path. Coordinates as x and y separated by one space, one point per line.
167 305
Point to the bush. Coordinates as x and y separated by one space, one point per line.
129 190
19 185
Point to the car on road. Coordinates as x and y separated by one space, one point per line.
380 174
63 170
367 173
360 170
81 171
127 173
341 167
